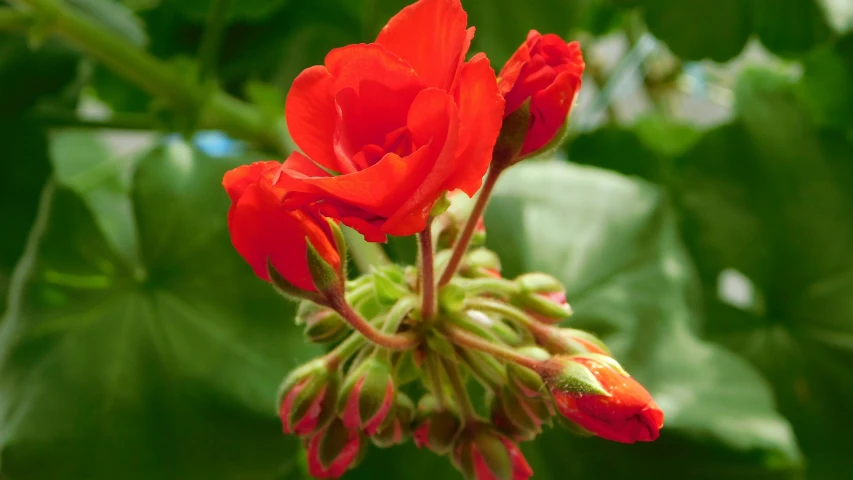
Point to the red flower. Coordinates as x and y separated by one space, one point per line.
625 412
546 70
385 128
262 229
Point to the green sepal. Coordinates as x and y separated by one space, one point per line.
340 245
451 298
486 368
439 344
287 289
326 278
511 138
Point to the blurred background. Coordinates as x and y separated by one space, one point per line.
700 214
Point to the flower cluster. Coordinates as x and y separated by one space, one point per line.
396 137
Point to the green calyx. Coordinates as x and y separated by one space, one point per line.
511 138
322 324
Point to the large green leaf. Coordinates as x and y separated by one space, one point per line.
768 214
614 243
170 373
719 29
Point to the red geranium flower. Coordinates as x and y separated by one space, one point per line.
263 230
385 128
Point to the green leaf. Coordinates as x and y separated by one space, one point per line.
613 243
827 84
107 375
27 75
22 177
768 214
718 28
238 9
789 27
85 165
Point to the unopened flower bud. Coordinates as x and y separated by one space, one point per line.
334 450
571 341
322 324
481 453
525 381
481 262
543 297
307 398
451 222
520 417
435 428
397 427
486 368
595 392
367 395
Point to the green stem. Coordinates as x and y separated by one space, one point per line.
208 51
507 311
434 379
364 253
11 19
398 313
218 109
464 239
399 341
345 350
427 263
460 393
53 117
489 285
466 340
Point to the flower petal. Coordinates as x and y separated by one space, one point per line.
430 36
353 64
236 181
434 121
549 109
310 114
481 108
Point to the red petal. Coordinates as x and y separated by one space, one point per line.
481 109
237 180
430 36
311 115
434 122
354 64
550 108
262 229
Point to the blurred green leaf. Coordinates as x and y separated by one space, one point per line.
789 27
105 374
23 173
614 244
768 215
83 164
27 75
719 29
238 9
827 84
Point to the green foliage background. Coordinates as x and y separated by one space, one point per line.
700 214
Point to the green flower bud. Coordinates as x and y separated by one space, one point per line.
322 324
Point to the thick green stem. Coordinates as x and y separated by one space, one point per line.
399 341
217 109
345 349
429 300
466 340
464 239
208 51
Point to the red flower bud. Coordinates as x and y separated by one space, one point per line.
397 427
435 428
307 398
333 451
264 232
546 71
367 395
483 454
597 394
